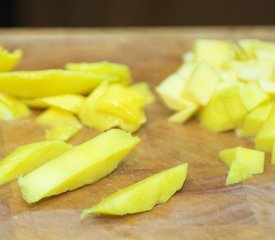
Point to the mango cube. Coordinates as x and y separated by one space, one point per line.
183 115
273 153
145 92
81 165
28 157
8 60
202 83
142 196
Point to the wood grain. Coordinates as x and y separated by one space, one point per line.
203 209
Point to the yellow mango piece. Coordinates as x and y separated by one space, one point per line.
81 165
183 115
188 57
28 157
239 52
8 60
255 120
184 71
12 109
142 196
252 72
215 52
233 104
68 102
273 153
248 46
44 83
215 117
238 172
114 105
63 125
265 138
144 90
252 96
202 83
120 72
253 159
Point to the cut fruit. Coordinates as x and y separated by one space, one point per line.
142 196
69 102
253 159
238 172
120 72
202 83
63 124
12 109
184 115
28 157
273 153
81 165
8 60
255 120
43 83
145 92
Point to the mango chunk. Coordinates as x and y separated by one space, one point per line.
122 106
63 125
214 52
183 115
68 102
238 172
145 92
142 196
120 72
8 60
255 120
12 109
265 137
253 159
273 153
28 157
81 165
43 83
202 83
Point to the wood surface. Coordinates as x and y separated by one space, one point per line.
203 209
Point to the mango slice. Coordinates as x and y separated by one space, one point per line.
273 153
202 83
28 157
43 83
183 115
68 102
252 96
63 125
8 60
142 196
114 105
145 92
12 109
253 159
255 120
120 72
81 165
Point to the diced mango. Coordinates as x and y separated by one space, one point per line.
255 120
43 83
81 165
252 96
253 159
69 102
120 72
12 109
238 172
63 125
8 60
142 196
273 153
28 157
188 57
214 52
202 83
183 115
248 46
265 138
145 92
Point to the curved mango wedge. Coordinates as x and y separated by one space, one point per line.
12 109
43 83
119 71
28 157
68 102
142 196
8 60
64 125
145 92
114 106
83 164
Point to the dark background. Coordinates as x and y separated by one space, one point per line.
98 13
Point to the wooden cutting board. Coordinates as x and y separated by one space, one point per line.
203 209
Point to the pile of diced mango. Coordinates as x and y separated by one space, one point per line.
227 86
98 95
